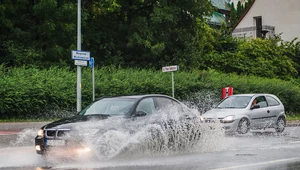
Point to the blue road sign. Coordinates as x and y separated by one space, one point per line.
91 62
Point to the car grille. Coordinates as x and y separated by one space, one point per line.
56 133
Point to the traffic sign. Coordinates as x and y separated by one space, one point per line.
81 55
80 62
170 68
92 62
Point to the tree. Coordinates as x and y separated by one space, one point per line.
146 33
233 15
37 32
239 10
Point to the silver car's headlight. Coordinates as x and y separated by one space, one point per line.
201 118
228 119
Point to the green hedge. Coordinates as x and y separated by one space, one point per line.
46 93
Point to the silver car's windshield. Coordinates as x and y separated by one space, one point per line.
235 102
109 106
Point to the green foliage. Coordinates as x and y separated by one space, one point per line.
261 57
239 10
37 32
33 91
233 15
51 93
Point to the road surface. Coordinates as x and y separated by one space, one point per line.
257 150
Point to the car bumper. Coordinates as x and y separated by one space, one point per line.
228 127
67 149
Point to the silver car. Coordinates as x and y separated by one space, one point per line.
242 112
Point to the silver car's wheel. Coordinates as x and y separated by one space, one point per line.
280 124
243 126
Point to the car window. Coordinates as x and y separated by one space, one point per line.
163 102
108 106
272 101
235 102
146 105
261 101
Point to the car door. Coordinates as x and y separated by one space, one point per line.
260 117
275 108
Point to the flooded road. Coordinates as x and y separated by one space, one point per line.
263 150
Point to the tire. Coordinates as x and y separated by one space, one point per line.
280 124
243 126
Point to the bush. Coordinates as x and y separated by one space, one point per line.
51 93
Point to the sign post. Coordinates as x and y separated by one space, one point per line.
171 69
92 63
80 59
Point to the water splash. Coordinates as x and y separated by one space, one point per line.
167 132
24 138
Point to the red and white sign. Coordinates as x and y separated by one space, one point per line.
227 91
170 68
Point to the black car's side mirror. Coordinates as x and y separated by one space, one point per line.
140 113
255 106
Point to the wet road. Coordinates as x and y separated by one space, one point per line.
257 150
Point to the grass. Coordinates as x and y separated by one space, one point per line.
292 117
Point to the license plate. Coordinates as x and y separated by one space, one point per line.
56 142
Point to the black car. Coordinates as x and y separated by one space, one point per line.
69 135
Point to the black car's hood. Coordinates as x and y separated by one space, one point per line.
68 123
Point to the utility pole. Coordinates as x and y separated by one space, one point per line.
79 49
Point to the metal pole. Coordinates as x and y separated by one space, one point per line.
172 83
79 48
93 82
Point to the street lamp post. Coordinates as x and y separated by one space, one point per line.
79 48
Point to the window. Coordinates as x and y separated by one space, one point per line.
261 101
272 101
163 102
146 105
258 22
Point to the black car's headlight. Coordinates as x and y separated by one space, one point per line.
228 119
40 133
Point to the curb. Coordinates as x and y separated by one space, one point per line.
293 123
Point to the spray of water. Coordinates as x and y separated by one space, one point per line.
168 132
24 138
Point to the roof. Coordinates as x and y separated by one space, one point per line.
220 4
138 96
244 14
217 19
253 94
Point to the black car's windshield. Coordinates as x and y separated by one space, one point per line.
109 106
235 102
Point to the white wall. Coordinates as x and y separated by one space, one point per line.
284 15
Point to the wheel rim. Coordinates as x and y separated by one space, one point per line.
280 125
243 127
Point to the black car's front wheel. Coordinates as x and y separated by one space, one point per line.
280 124
243 126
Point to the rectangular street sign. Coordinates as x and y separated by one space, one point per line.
91 62
81 62
170 68
81 55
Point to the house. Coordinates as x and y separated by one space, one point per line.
266 18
